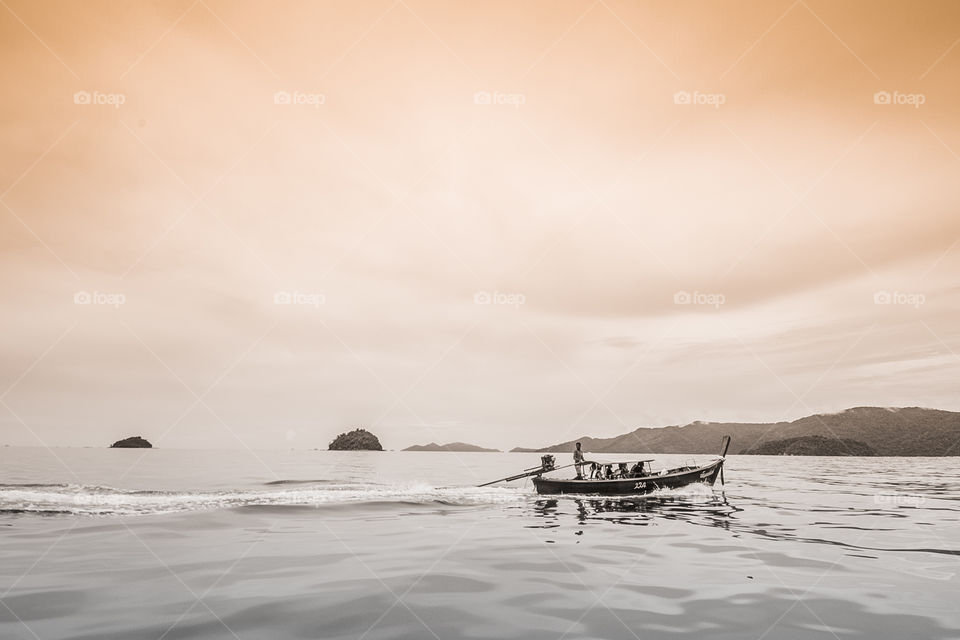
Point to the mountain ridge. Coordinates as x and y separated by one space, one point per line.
890 431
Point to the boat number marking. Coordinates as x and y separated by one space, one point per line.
640 485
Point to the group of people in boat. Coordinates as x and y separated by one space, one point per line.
604 470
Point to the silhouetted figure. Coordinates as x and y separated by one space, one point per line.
578 461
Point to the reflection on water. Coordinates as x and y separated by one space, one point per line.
906 536
554 512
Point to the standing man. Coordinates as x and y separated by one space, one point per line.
578 461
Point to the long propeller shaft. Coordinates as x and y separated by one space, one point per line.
530 472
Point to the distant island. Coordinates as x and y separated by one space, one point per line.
452 446
888 431
812 446
356 440
135 442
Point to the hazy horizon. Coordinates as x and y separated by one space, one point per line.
231 225
285 443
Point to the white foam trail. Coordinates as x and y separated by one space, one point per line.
98 500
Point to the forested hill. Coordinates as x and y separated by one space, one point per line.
461 447
813 446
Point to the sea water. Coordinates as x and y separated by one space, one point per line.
163 544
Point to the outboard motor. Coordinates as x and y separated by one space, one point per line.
547 462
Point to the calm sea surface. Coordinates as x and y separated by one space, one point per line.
163 544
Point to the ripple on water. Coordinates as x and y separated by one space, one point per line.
783 549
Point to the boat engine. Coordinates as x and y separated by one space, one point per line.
547 462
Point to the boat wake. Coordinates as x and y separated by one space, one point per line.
96 500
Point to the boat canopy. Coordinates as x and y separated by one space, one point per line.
592 458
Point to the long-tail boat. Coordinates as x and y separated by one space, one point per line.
626 478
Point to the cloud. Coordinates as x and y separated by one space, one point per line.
398 198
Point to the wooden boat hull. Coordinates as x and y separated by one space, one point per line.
706 474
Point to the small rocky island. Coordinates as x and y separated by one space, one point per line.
812 446
356 440
135 442
462 447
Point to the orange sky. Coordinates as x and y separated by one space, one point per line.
544 153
